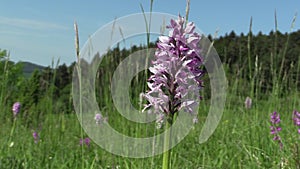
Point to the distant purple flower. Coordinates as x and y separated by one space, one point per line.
86 141
35 136
248 103
98 118
296 119
275 129
177 63
16 108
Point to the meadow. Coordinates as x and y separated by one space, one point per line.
46 132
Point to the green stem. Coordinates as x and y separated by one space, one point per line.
166 155
12 131
80 111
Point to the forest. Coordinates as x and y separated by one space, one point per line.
275 58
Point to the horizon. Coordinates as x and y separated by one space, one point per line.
124 47
41 32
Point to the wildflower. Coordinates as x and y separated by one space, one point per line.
16 108
86 141
35 136
98 118
296 119
81 141
176 71
248 103
275 129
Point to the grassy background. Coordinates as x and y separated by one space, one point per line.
242 140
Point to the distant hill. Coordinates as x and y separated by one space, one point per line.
29 67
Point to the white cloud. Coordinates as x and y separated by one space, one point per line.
8 33
31 24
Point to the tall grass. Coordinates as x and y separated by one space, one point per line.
4 82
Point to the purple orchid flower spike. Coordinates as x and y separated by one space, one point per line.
176 72
100 119
248 103
35 136
16 108
296 119
275 128
86 141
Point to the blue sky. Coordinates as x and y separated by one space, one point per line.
38 31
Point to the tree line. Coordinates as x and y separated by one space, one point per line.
258 61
